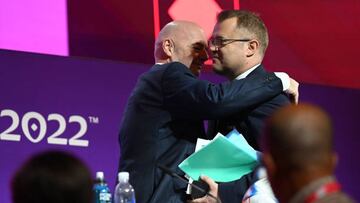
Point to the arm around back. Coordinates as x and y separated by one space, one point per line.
187 97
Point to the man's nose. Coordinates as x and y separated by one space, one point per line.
211 47
211 50
204 55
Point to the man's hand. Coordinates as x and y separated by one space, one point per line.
213 191
290 86
293 91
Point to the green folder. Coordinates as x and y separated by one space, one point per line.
221 159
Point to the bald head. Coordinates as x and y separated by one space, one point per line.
178 29
300 137
181 41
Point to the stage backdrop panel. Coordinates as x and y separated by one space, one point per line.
81 101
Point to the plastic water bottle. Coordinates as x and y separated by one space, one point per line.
101 189
124 192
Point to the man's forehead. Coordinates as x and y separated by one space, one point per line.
197 38
196 33
226 28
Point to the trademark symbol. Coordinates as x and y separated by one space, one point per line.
94 119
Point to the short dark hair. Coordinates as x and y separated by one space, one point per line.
298 137
52 176
250 21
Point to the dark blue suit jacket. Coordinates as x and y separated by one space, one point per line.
164 117
249 122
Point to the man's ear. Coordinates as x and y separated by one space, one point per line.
334 160
168 47
253 47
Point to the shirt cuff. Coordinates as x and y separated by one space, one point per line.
285 79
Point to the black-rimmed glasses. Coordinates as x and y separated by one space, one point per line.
221 42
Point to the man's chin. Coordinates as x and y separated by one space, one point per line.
218 69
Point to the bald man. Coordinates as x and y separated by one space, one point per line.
299 156
164 114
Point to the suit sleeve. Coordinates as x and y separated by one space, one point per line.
186 97
233 192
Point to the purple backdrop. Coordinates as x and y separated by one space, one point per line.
90 96
66 86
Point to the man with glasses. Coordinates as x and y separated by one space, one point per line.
238 46
165 111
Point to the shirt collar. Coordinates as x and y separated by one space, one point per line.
305 191
246 73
